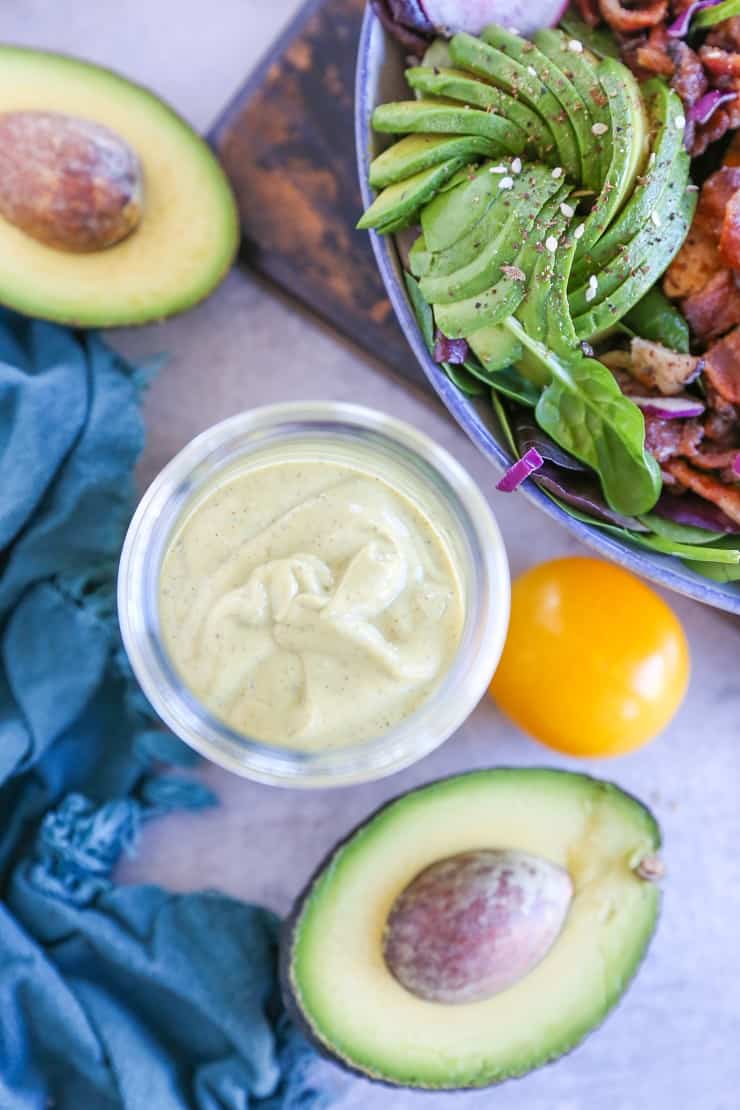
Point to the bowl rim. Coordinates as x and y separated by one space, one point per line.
661 569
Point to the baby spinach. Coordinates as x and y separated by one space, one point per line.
586 413
682 533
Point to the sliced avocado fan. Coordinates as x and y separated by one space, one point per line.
540 244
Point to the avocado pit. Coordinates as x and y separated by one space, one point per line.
472 925
68 182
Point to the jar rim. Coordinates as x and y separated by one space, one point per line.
486 607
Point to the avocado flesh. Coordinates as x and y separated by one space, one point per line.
667 169
495 66
495 347
456 84
492 306
415 153
573 109
432 117
469 248
521 203
580 69
597 322
398 204
455 212
629 149
188 234
356 1010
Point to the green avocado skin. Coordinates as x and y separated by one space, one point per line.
290 927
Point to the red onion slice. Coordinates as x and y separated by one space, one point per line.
530 461
454 351
680 26
736 464
707 105
670 408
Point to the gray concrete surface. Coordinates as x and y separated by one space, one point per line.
674 1043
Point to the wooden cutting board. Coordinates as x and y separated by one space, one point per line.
287 142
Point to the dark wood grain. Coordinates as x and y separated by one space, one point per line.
287 142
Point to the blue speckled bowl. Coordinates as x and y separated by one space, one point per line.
380 66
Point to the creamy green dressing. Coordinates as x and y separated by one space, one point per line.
310 604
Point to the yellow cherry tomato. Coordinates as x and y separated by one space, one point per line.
595 663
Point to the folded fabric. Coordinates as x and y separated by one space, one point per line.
109 997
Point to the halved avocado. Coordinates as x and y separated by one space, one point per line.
595 848
188 233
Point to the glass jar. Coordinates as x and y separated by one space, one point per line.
356 436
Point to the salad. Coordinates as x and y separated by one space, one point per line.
565 195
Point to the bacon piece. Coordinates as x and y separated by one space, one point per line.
689 79
723 419
720 63
694 265
666 439
715 308
722 367
714 460
654 53
726 34
732 154
624 19
715 194
589 12
729 240
711 489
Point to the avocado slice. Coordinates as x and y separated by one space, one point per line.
397 205
492 306
597 322
454 211
596 842
521 81
415 153
521 203
667 170
456 84
431 116
496 348
188 233
629 149
572 111
580 69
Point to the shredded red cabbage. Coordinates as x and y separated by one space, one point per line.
415 41
736 464
680 26
530 461
707 105
454 351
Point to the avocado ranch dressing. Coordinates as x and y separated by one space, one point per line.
310 603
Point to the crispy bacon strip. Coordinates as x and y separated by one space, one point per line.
715 308
624 19
726 497
716 191
720 63
729 240
689 79
694 265
722 367
654 56
589 12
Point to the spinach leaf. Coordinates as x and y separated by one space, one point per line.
709 16
503 419
584 411
655 318
718 571
682 533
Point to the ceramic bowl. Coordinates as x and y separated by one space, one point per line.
380 66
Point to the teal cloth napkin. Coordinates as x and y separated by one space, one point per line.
109 996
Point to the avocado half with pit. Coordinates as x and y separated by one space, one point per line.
112 209
475 928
